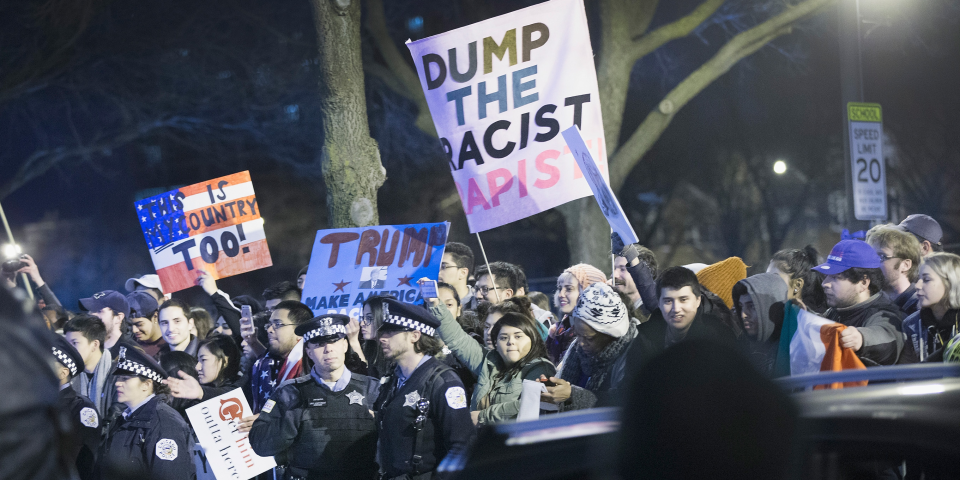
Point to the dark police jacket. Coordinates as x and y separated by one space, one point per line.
448 425
323 434
86 428
153 442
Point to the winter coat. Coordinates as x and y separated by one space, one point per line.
652 335
585 390
152 442
921 340
878 320
768 292
487 365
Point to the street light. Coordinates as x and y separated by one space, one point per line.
779 167
11 250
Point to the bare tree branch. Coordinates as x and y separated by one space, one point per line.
623 42
740 46
672 31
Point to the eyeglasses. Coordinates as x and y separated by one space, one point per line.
884 258
444 266
487 290
366 320
277 325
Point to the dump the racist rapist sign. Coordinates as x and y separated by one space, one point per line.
213 226
349 265
500 92
225 449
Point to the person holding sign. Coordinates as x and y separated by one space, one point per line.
151 440
422 409
322 422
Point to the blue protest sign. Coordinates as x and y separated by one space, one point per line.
348 265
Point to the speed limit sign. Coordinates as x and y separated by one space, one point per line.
866 157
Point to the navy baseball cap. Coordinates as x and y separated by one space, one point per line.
107 298
142 305
922 226
849 254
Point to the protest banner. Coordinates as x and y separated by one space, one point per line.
227 451
600 185
213 226
348 265
500 91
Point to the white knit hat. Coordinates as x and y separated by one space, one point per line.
601 308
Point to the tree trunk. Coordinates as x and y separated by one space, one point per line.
350 159
588 234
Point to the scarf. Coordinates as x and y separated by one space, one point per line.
596 368
93 386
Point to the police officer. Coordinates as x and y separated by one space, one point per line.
322 421
80 411
422 409
150 440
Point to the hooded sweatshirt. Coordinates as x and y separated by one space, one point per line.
768 292
878 320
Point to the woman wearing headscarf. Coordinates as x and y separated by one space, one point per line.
595 364
569 285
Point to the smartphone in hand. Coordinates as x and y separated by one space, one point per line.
428 289
246 321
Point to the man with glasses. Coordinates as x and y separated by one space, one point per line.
900 263
283 359
504 280
455 269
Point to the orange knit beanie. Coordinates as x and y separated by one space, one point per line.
720 278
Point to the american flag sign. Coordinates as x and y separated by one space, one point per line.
213 226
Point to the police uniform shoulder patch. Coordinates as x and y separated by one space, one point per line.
268 407
456 398
167 449
88 417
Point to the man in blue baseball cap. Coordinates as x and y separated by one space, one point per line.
853 287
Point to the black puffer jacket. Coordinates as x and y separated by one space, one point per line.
878 320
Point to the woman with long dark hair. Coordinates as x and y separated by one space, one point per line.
218 371
518 354
370 320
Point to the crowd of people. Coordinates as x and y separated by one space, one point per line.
389 393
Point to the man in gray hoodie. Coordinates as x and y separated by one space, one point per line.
758 301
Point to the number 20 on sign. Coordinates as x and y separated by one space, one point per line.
866 157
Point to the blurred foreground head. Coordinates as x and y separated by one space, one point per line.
700 410
30 430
